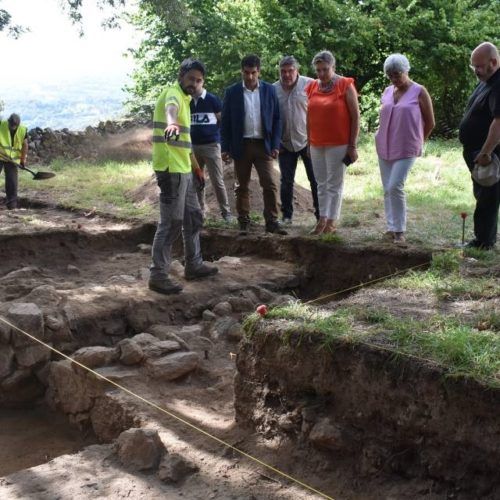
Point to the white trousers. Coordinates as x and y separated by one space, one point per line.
329 171
393 174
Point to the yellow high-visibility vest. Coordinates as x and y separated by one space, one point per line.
11 150
174 154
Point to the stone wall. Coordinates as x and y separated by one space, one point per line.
110 139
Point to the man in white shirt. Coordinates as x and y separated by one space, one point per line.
293 111
250 134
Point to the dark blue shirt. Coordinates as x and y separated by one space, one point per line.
204 125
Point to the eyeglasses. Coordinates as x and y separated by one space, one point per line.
473 67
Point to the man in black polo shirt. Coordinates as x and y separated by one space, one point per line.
205 138
480 136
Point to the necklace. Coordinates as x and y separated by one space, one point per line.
327 87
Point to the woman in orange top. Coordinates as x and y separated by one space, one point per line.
333 128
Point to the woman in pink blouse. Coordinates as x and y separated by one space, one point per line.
406 121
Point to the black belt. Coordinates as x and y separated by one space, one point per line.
251 139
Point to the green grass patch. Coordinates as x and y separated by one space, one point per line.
103 185
461 348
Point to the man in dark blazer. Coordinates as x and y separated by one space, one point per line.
250 134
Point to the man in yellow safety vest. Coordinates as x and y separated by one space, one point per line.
13 151
174 165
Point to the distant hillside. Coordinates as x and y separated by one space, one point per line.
72 104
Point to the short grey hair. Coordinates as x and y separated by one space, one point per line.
396 63
324 56
289 61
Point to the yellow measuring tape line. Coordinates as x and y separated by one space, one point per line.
170 414
360 285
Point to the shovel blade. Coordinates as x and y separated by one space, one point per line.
40 176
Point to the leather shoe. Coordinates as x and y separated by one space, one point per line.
165 286
200 272
275 228
244 227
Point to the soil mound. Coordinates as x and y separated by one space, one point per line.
148 192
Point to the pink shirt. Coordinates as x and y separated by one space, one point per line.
401 130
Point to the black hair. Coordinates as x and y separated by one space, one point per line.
189 64
251 61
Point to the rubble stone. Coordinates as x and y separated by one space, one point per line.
140 449
172 366
95 356
32 355
28 317
6 361
130 352
174 468
223 308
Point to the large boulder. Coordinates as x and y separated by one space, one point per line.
172 366
140 449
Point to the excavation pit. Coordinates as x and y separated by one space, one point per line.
87 276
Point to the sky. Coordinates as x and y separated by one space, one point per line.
53 51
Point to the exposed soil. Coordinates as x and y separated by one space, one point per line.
88 276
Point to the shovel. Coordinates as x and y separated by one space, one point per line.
37 176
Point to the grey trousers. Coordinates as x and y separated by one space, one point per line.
179 212
209 155
10 171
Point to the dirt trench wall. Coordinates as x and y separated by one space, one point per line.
323 267
366 406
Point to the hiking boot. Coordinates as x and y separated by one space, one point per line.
244 227
388 236
200 272
275 228
165 286
287 221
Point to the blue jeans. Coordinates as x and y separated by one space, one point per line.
179 212
288 166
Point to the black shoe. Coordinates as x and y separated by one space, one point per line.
276 228
165 286
244 227
479 245
200 272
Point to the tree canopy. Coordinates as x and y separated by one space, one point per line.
436 35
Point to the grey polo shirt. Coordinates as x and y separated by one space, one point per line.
293 111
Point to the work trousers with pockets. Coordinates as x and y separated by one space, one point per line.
10 171
254 154
487 205
288 166
209 156
329 171
393 174
179 212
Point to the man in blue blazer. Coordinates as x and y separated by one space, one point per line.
250 135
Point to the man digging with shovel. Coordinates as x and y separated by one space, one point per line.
13 152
